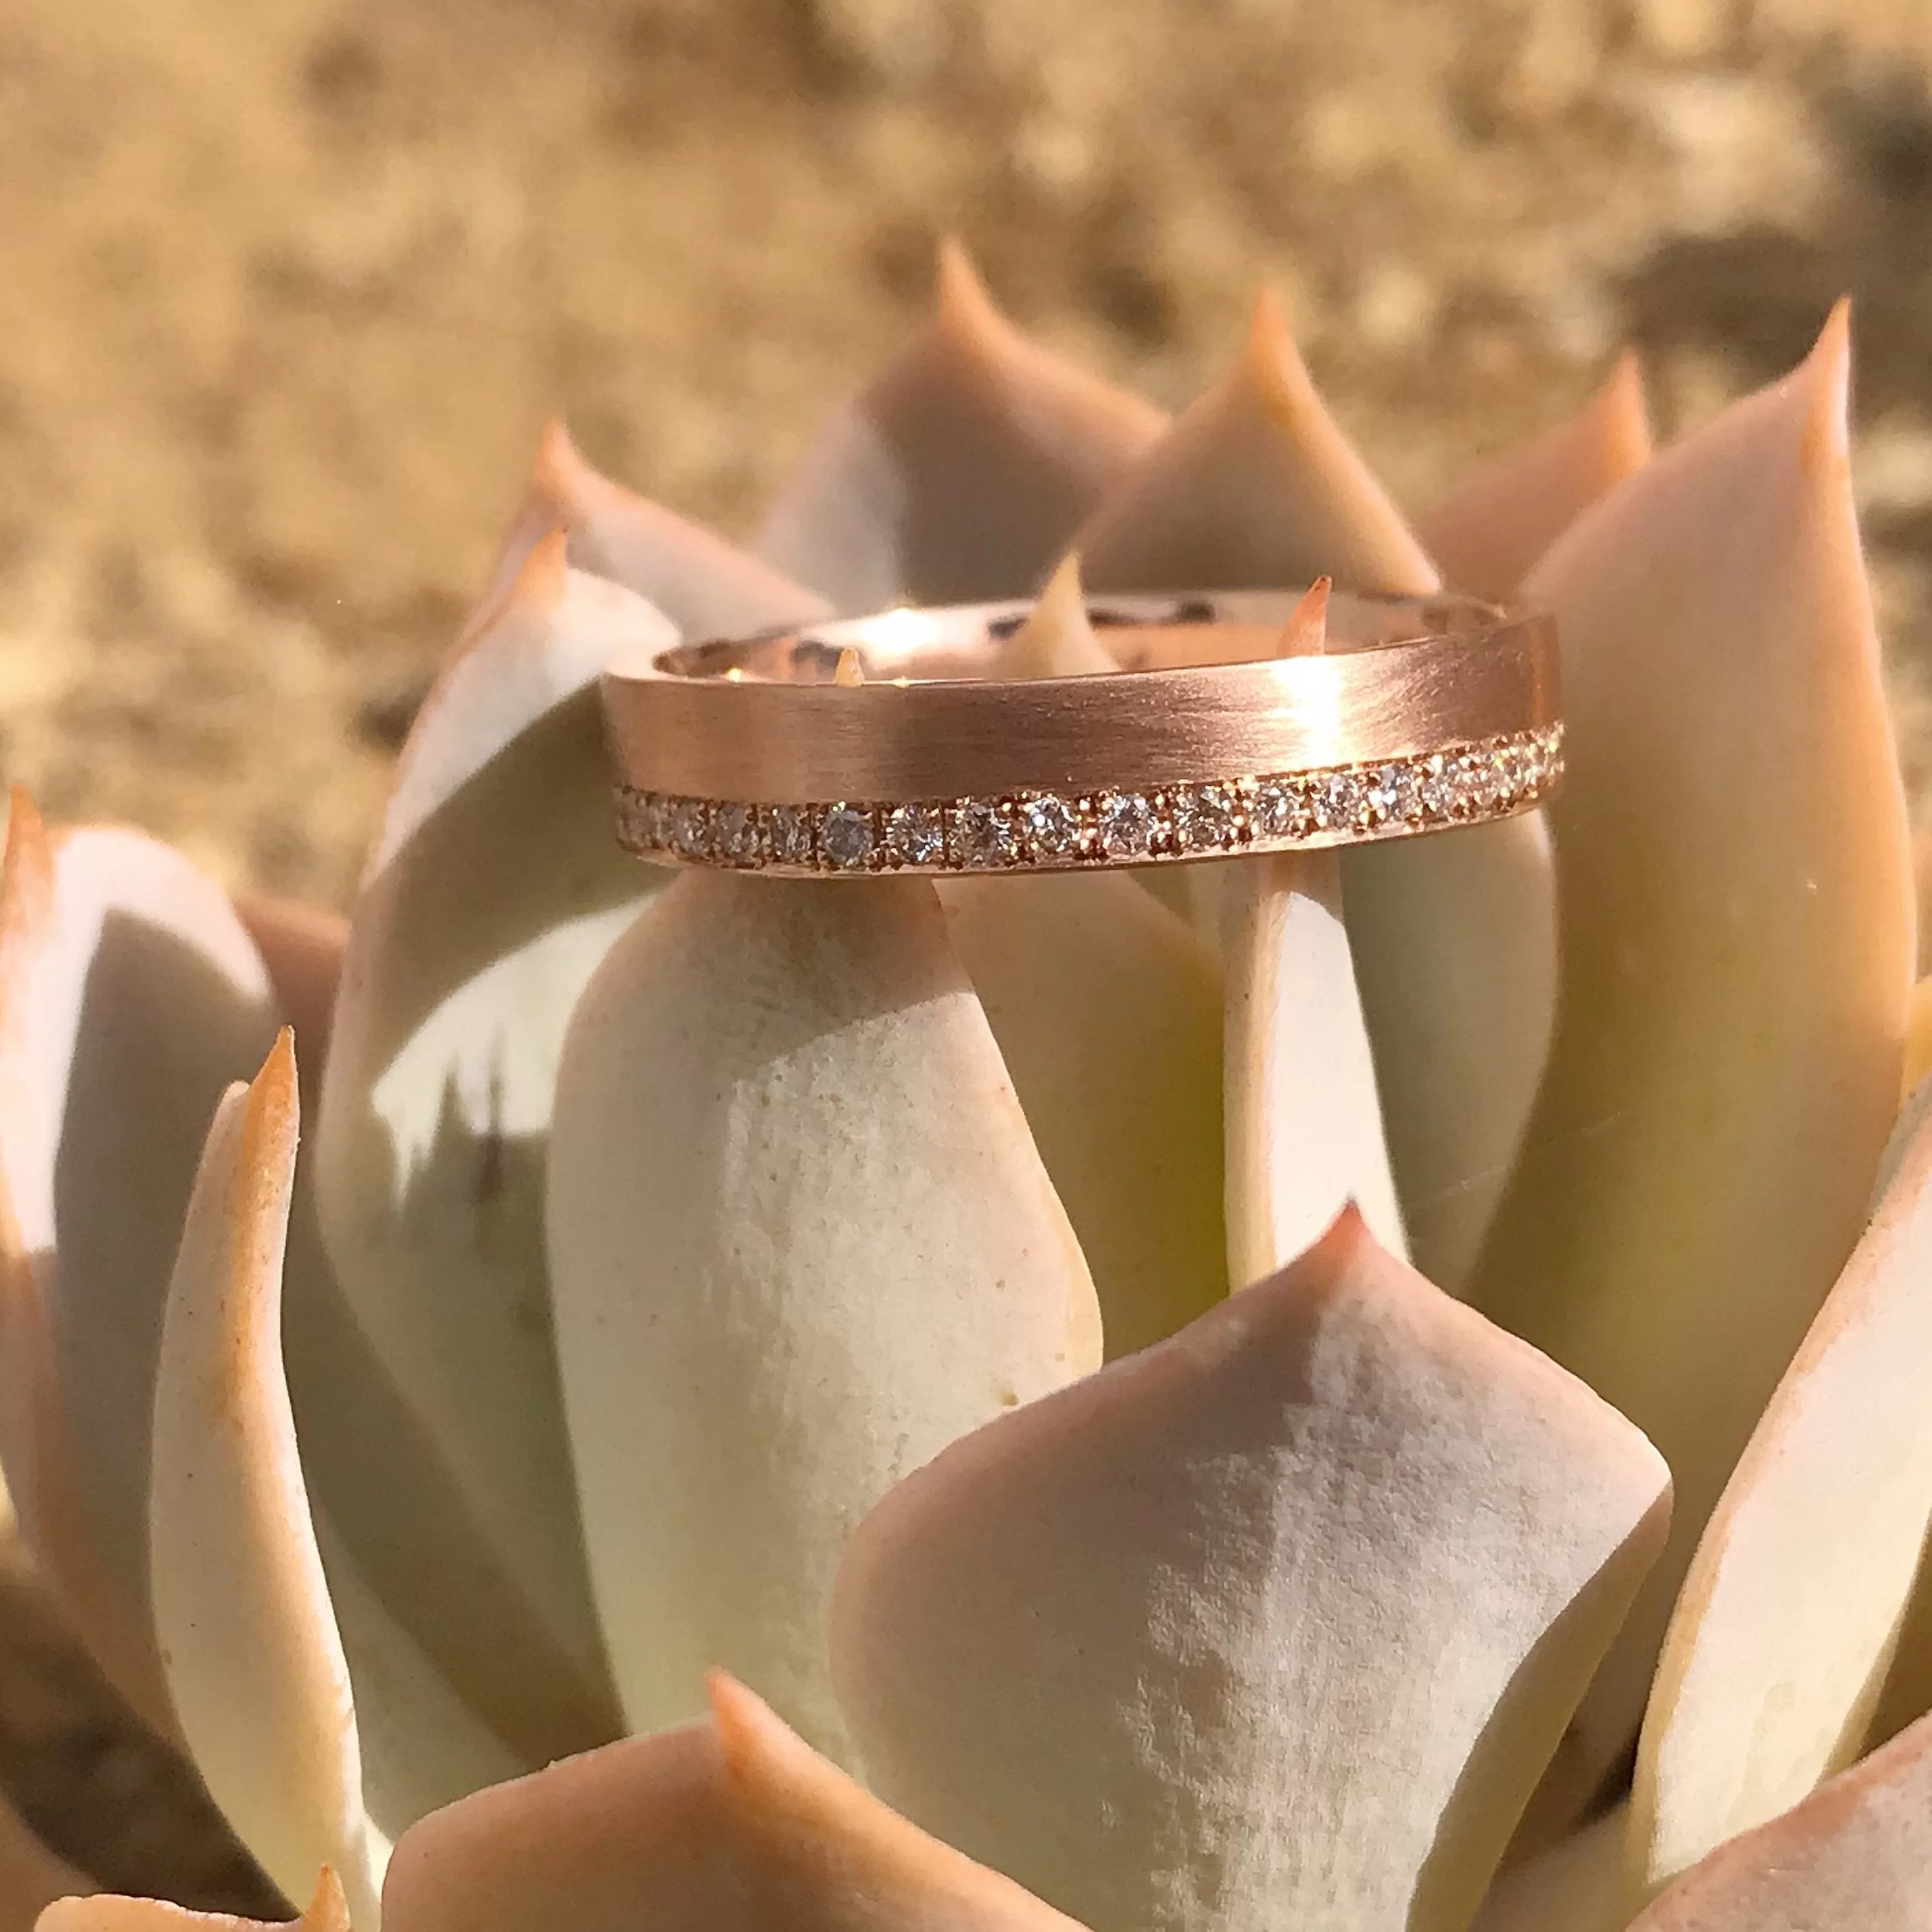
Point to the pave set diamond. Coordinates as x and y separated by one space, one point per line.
1341 804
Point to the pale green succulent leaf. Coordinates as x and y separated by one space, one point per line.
960 474
705 587
1255 485
1274 1624
495 886
1737 942
398 1541
1780 1643
1107 1010
1303 1125
1488 533
253 1659
320 1726
422 1747
1852 1857
129 997
731 1825
1454 945
800 1240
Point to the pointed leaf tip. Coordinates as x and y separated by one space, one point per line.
327 1906
732 1826
23 816
1489 532
728 1701
558 463
960 471
1268 332
277 1075
1723 580
29 856
1834 338
1162 1593
1058 639
1345 1237
753 1741
246 1629
964 305
1064 588
273 1119
27 869
698 581
1254 486
1828 370
1305 633
539 584
1622 394
1271 357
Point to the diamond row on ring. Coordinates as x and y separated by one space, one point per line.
1337 805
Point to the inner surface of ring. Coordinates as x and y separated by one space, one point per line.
1143 633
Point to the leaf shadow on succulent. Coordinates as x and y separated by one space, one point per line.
379 1469
1604 1595
137 976
484 833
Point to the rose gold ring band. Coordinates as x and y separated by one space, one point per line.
1417 715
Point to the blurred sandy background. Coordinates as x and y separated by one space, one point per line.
287 287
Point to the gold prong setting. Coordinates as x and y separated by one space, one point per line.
1049 830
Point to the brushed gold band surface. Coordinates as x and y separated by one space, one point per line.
1457 700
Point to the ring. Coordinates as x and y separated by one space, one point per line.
1420 715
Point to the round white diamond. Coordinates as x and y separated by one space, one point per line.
1271 810
734 834
1434 788
846 837
789 828
691 828
1204 818
1126 824
984 836
1341 800
1478 779
915 834
1516 761
1052 827
639 818
1393 794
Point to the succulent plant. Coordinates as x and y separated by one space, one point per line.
707 1275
